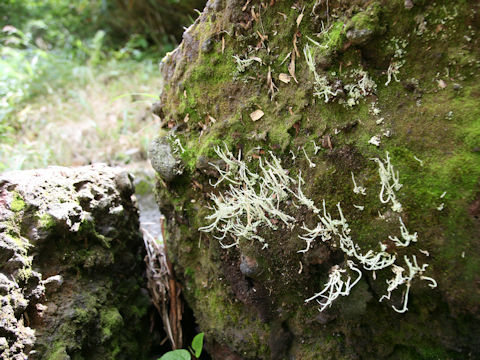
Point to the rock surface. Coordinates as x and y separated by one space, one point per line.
340 83
71 265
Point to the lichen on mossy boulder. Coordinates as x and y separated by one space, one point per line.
71 266
385 78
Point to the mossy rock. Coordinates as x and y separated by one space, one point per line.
426 117
72 255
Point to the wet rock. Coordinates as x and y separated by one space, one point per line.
163 160
360 42
6 251
205 166
6 285
124 183
157 109
215 5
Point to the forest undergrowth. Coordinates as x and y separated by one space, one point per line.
72 90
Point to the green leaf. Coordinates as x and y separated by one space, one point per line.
197 344
176 355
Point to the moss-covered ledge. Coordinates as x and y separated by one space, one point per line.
72 267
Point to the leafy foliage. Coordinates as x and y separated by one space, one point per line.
176 355
197 344
196 350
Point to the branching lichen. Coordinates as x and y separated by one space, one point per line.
243 64
254 201
358 189
414 270
336 285
251 200
397 61
390 183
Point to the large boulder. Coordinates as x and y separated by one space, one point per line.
330 152
71 265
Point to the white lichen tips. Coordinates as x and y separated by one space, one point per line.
389 179
338 284
414 270
374 140
254 201
243 64
407 237
358 189
321 86
251 201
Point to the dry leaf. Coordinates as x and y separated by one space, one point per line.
296 126
212 119
442 84
223 44
299 19
327 142
245 6
285 78
291 67
284 16
295 38
257 115
254 15
186 118
270 84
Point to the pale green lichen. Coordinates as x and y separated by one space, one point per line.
255 201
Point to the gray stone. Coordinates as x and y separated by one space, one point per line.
163 160
6 285
359 36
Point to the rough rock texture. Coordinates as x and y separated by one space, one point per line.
71 265
386 76
163 160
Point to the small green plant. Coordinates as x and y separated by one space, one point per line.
182 354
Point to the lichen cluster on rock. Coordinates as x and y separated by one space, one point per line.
71 265
326 87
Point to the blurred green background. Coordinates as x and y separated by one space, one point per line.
77 78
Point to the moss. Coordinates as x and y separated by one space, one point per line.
367 19
59 352
336 36
87 229
24 273
110 321
46 221
17 204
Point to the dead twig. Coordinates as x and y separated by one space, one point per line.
164 288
